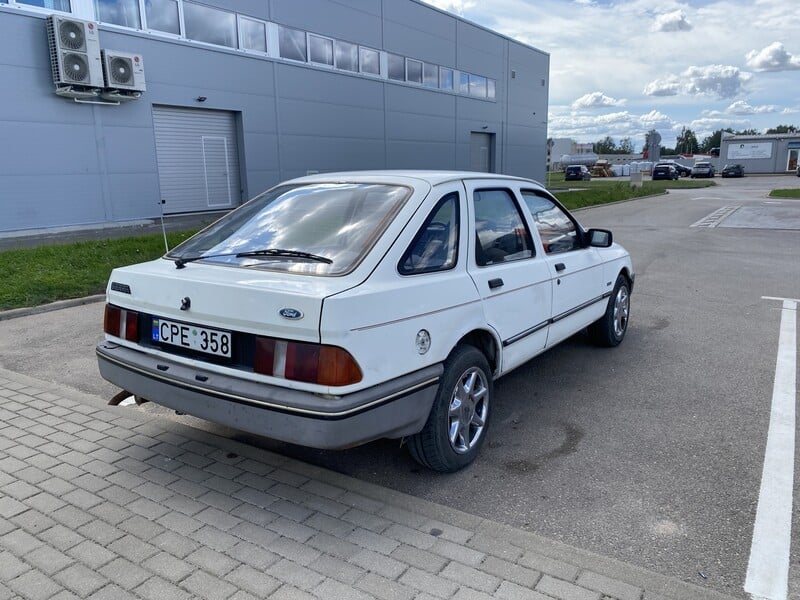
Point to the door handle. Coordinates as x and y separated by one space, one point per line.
560 267
495 283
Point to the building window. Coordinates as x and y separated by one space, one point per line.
413 71
252 34
397 67
445 78
369 60
430 75
477 86
162 15
346 56
463 83
60 5
119 12
320 50
210 25
491 90
292 44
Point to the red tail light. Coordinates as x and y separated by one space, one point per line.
301 361
121 323
111 321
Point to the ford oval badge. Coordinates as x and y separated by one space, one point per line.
291 313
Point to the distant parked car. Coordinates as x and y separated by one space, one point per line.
682 170
703 169
798 170
577 173
665 171
733 171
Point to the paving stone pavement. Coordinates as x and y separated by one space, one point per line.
104 502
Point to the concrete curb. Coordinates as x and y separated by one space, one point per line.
35 310
655 585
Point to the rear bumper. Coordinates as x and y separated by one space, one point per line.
393 409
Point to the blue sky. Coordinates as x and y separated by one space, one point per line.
623 67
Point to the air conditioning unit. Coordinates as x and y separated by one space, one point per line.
74 52
123 71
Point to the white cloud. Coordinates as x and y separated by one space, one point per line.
706 126
454 6
669 86
596 100
672 21
655 119
740 107
723 81
618 124
719 80
772 58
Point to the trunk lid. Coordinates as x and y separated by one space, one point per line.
224 297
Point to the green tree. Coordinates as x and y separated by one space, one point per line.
625 146
714 140
783 129
686 142
605 146
747 132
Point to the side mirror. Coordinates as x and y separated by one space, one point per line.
599 238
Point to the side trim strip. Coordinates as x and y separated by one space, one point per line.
580 307
525 333
555 319
328 416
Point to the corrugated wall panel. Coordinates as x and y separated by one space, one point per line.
193 177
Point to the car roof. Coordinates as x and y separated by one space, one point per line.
408 176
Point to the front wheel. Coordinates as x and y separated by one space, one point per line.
459 418
610 329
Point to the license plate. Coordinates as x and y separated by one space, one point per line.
202 339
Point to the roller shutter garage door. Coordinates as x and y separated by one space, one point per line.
198 160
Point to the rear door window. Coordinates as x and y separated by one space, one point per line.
501 234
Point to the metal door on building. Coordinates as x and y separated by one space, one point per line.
198 160
480 152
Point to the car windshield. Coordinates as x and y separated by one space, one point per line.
337 221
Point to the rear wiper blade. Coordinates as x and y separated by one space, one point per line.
286 253
267 253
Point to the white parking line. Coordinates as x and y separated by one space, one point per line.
768 568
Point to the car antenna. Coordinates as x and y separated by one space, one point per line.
161 204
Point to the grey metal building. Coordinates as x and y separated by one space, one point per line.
231 97
769 153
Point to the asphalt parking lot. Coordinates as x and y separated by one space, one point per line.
650 453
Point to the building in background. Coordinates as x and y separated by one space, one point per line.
228 98
768 153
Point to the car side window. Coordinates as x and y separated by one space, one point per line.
435 247
501 234
558 231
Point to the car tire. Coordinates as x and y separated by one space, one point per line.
459 418
609 330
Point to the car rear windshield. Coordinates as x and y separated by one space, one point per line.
337 223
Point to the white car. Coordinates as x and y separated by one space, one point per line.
337 309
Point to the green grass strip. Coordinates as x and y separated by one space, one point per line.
788 193
33 276
604 192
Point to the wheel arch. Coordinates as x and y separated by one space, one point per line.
626 273
487 343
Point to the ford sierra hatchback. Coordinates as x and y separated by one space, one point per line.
337 309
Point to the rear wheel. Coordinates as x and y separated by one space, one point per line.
457 424
610 329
